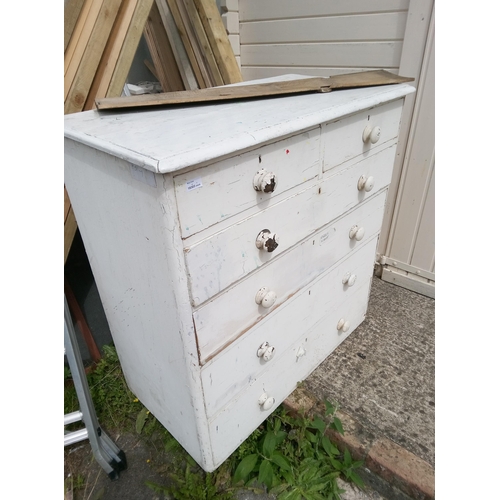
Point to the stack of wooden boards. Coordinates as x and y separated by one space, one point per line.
187 41
186 38
100 48
189 45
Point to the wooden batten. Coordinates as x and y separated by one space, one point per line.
111 53
204 44
80 86
200 43
181 57
72 9
253 91
70 225
151 68
161 52
219 41
187 38
79 41
129 47
195 41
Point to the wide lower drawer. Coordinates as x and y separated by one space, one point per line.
226 317
229 255
238 419
210 194
282 328
344 138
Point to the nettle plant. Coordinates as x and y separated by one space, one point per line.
295 459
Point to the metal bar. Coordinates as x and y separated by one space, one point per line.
75 436
70 418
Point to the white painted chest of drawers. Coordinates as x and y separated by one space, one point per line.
173 204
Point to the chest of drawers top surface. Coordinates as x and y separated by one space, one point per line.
168 139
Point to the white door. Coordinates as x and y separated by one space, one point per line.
406 254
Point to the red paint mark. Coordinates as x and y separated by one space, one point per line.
287 151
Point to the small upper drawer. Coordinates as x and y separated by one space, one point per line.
217 325
361 134
216 192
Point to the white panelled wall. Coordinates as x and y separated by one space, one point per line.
320 37
229 10
323 38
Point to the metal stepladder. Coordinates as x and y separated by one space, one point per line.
105 451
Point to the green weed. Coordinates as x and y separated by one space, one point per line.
294 458
189 482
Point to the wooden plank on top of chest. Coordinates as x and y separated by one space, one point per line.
350 80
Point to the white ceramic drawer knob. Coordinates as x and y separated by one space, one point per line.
266 351
266 402
265 181
357 233
371 134
343 325
267 241
366 183
265 297
349 279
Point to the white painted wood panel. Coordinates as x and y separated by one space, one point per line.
254 10
224 258
235 422
423 256
411 237
320 38
417 173
208 195
408 280
384 26
283 328
133 255
250 72
285 275
369 55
